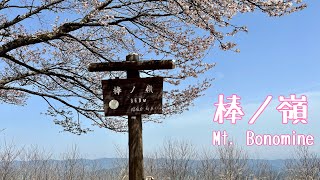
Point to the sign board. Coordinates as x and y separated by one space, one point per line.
133 96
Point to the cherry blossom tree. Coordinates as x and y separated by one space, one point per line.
46 46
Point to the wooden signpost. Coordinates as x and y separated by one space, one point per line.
133 96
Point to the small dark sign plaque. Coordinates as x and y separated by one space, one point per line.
133 96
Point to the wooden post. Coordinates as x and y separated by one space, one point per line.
132 65
135 134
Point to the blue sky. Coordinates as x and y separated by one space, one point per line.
279 56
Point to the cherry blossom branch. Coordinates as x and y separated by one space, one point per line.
29 14
49 57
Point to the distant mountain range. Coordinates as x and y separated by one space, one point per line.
110 163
